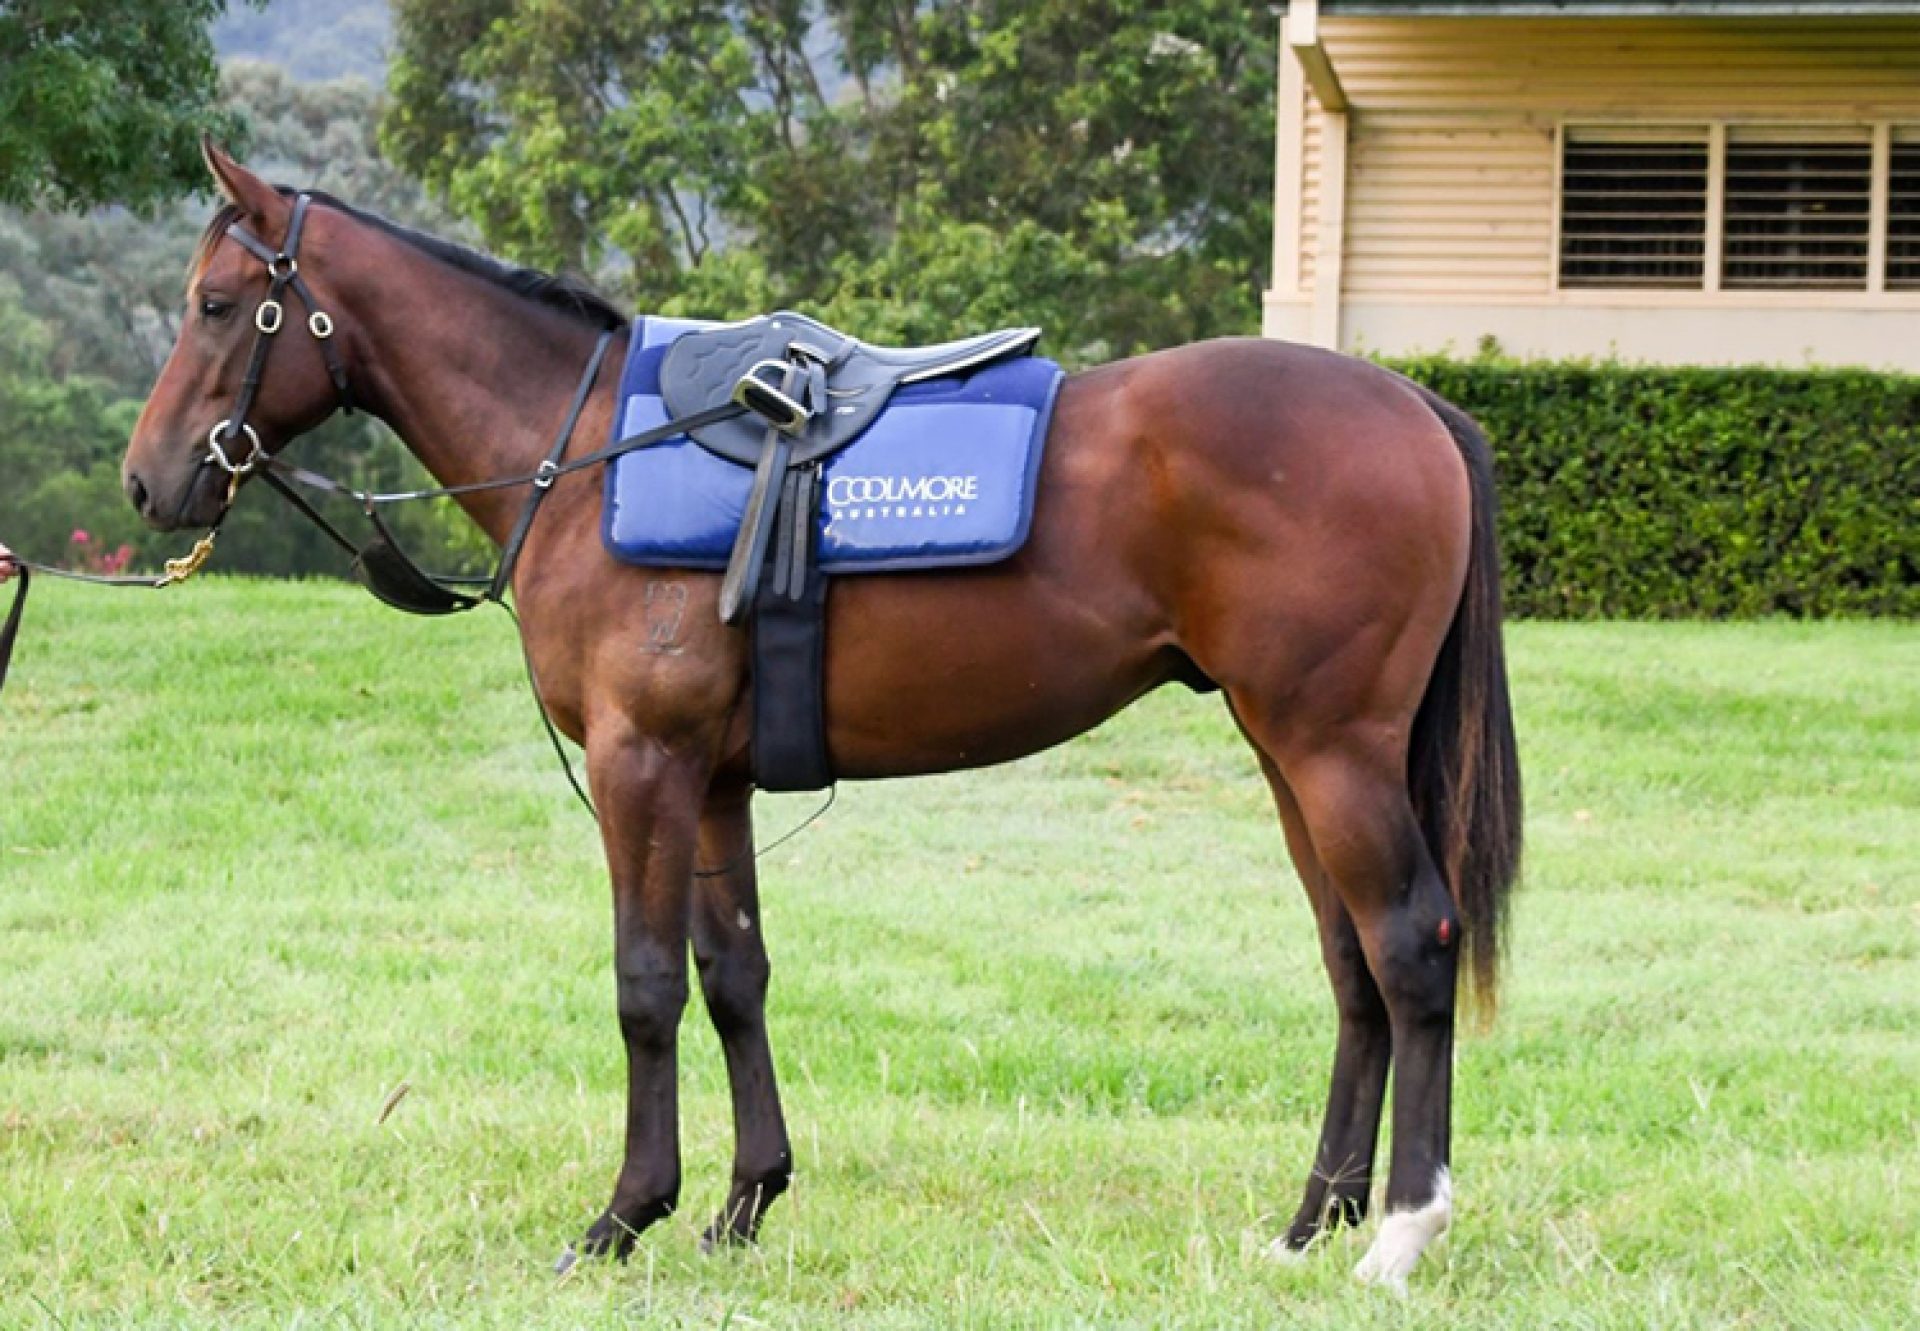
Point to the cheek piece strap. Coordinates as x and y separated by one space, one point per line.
269 317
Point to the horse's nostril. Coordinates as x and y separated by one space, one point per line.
137 492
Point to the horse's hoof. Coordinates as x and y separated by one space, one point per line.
1282 1252
606 1237
1403 1236
720 1235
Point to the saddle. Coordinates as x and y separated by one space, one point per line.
808 391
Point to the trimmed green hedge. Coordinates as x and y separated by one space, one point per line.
1668 493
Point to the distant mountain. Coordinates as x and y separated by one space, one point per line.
311 39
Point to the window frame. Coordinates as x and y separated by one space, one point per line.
1679 131
1712 288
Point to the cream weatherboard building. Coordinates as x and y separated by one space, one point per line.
1663 181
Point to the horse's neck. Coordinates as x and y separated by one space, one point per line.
474 379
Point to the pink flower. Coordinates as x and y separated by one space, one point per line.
80 536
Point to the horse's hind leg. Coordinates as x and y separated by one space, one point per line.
1352 795
731 952
1342 1177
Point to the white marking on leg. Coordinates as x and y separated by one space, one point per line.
1404 1235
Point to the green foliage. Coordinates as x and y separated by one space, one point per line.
90 304
1100 167
1646 492
78 417
105 102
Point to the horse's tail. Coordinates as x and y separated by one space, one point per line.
1463 767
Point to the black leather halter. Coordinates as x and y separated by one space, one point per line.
269 317
380 563
386 570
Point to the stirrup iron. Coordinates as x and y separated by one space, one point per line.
772 404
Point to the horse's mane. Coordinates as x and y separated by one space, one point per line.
564 292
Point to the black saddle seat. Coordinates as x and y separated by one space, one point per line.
842 381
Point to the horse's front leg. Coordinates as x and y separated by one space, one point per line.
649 799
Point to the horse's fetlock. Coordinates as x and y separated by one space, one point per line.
647 1205
770 1182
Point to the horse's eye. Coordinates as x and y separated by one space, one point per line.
214 309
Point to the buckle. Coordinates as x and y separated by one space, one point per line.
217 453
320 325
544 474
269 317
282 267
771 404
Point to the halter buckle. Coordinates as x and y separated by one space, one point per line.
217 453
545 473
282 267
269 316
320 325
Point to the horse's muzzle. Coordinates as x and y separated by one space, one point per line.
137 494
198 503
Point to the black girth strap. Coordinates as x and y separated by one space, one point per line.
789 625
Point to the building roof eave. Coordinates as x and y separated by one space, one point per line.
1614 8
1302 30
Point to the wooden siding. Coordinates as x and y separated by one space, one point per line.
1452 150
1449 204
1310 158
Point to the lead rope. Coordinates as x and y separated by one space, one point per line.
176 571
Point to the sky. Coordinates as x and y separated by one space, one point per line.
313 39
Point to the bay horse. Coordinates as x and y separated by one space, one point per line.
1309 534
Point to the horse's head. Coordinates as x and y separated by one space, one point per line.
203 420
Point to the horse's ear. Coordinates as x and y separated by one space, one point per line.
246 191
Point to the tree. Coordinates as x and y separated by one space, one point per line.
104 102
1102 166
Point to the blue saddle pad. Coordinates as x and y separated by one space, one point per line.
945 476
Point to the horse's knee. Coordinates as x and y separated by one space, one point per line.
735 984
734 970
652 996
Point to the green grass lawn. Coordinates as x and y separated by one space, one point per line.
1054 1037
